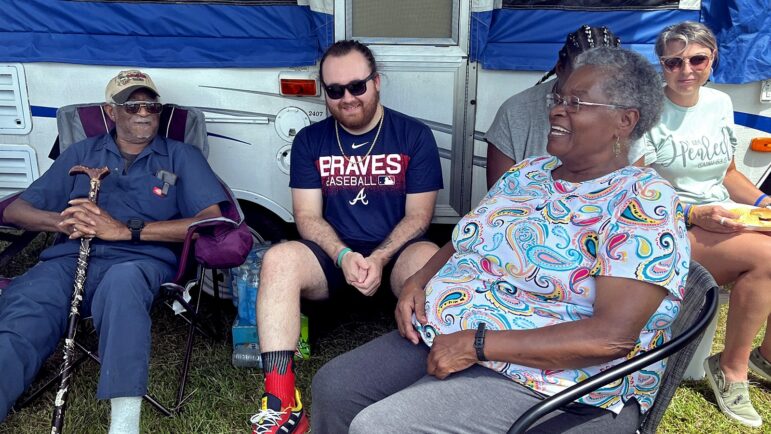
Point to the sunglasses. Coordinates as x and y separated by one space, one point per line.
355 88
572 104
133 107
698 62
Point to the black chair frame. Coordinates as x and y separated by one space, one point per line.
169 293
690 335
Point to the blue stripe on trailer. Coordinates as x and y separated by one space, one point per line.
43 112
762 123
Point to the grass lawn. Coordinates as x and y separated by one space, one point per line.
222 398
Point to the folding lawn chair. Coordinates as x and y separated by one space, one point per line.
77 122
696 311
17 241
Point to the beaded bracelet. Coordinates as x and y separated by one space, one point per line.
687 214
340 256
760 199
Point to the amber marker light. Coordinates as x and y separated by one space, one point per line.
761 144
299 87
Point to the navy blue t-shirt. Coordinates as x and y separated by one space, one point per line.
136 193
365 191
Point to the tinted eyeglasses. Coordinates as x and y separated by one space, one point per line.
356 87
133 107
572 104
698 62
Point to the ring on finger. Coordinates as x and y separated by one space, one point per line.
722 220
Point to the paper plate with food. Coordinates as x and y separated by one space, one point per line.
753 218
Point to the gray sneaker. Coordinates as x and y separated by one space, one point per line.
732 398
759 365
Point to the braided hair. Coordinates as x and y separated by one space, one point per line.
583 39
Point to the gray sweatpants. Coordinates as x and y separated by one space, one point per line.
382 387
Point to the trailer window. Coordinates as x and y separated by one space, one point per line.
403 21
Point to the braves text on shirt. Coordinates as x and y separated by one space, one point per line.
363 171
382 164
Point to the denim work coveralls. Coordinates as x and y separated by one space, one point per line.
123 277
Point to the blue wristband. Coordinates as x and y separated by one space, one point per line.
760 199
687 214
341 255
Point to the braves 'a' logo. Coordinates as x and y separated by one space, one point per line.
360 197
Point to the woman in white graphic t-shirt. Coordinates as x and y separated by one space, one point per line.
693 147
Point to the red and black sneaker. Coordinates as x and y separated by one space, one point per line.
273 419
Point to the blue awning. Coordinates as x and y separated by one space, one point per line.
528 35
148 34
743 31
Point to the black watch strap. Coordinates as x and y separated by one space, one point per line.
479 342
135 225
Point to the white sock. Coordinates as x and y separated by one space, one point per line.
124 415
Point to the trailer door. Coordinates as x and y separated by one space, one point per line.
421 51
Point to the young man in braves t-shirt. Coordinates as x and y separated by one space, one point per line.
364 185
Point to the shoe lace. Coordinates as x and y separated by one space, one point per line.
272 417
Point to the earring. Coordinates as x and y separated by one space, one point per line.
617 146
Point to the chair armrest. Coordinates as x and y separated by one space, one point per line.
209 223
554 402
197 227
4 203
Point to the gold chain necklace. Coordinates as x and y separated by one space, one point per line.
371 147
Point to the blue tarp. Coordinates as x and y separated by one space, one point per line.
200 34
162 34
743 30
529 38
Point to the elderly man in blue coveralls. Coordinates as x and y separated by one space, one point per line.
138 218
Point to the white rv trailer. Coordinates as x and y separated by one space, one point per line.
450 63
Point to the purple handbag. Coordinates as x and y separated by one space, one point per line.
223 242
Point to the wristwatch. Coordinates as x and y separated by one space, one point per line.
479 342
135 225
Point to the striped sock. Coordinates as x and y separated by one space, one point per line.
279 375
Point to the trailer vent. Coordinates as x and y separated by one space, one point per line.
14 104
18 168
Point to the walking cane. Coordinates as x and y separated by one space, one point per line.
60 401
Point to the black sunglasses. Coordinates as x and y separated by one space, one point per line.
356 87
698 62
133 107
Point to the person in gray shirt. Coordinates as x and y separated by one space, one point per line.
521 125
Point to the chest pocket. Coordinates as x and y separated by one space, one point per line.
149 198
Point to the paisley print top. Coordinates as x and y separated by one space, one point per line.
527 255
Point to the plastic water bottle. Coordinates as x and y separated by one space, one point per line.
243 295
254 285
234 273
247 356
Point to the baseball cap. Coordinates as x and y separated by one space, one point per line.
120 88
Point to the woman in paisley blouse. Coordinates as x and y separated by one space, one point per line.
569 265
